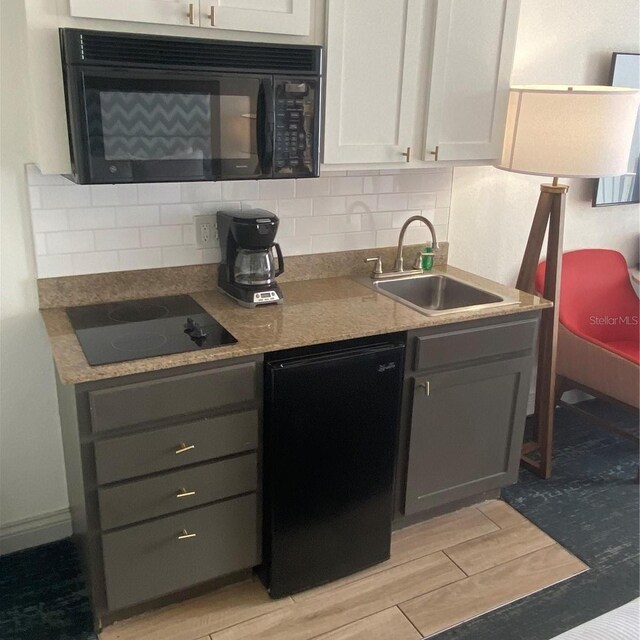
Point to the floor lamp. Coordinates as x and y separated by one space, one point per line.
560 132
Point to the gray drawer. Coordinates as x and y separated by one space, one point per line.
152 451
169 492
463 345
172 397
148 560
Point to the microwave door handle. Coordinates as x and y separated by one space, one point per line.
264 125
280 259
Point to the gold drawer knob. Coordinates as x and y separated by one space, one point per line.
182 447
185 535
425 386
183 493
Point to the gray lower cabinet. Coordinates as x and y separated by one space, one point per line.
162 474
465 402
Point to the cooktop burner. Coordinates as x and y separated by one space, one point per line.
134 329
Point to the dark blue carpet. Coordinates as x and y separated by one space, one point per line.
590 505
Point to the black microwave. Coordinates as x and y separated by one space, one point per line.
143 108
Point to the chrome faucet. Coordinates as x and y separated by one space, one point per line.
398 267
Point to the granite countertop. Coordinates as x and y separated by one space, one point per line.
314 312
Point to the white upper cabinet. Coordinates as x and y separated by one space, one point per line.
473 49
179 12
263 16
423 74
373 62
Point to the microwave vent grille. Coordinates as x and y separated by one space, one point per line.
102 48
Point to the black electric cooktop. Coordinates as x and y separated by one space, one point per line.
134 329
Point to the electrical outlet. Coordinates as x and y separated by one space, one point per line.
206 232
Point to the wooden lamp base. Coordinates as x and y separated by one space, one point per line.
549 212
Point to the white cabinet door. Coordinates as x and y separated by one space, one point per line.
473 49
177 12
373 62
264 16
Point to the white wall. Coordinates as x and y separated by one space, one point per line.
32 484
559 41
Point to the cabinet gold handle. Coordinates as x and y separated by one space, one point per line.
426 386
407 154
184 447
435 153
183 493
191 13
185 534
212 16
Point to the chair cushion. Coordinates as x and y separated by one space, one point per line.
597 300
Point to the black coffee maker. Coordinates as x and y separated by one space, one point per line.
248 271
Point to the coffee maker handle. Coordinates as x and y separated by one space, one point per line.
280 259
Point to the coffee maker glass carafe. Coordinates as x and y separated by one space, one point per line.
257 267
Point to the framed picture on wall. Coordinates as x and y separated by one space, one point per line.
625 72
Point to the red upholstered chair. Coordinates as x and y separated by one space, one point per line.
598 334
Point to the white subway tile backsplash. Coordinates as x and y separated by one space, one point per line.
345 186
317 225
361 203
76 195
378 184
421 200
54 266
240 190
161 236
311 187
330 205
295 207
113 239
140 259
177 256
69 242
392 201
286 228
49 220
89 229
343 242
104 195
158 193
201 191
268 205
138 216
40 240
295 246
95 262
92 218
276 189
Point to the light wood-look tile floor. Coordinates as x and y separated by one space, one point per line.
441 573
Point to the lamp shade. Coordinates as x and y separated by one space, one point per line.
569 131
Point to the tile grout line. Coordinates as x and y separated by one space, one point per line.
410 621
468 575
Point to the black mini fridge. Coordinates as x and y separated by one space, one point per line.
330 440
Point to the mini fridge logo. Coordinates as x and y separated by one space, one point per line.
386 367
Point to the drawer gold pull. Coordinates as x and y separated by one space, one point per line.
212 16
435 153
183 493
185 447
191 13
407 154
426 386
185 534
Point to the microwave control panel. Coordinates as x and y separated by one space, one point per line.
295 128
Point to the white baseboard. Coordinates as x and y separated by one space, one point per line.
34 531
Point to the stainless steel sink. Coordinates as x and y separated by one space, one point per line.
437 294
